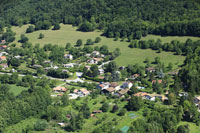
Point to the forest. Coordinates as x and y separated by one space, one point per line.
130 18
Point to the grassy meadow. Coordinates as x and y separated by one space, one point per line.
69 34
16 90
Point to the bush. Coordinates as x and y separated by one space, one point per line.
97 39
40 125
56 27
86 27
30 29
89 42
41 36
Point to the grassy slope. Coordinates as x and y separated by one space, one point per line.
67 33
16 90
17 128
192 126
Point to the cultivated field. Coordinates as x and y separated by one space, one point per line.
69 34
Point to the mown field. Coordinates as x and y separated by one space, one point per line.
69 34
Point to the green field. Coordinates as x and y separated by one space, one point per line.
16 90
170 38
68 33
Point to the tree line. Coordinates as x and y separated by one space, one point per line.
132 19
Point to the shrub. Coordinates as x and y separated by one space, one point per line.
40 125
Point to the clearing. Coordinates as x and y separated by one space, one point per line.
69 34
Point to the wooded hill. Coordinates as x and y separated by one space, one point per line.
118 18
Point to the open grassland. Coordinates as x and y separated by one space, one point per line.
69 34
170 38
16 90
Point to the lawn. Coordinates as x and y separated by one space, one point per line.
16 90
192 126
69 34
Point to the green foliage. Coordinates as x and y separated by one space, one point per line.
23 38
79 42
89 42
135 103
97 40
65 99
183 129
105 107
41 36
30 29
57 73
56 26
40 125
86 27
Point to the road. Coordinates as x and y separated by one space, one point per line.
65 80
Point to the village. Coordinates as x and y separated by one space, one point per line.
77 71
94 74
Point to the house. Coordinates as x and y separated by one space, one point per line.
3 47
82 92
134 76
157 81
88 67
65 71
94 60
79 74
150 69
3 53
95 53
197 100
59 89
103 86
109 90
173 73
4 65
185 94
61 124
140 87
122 67
101 71
115 85
70 65
151 97
55 67
127 85
3 42
73 96
68 56
2 58
140 94
122 92
97 111
47 62
17 57
37 66
88 55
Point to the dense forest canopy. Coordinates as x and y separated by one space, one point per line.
116 17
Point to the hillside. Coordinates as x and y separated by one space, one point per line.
69 34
